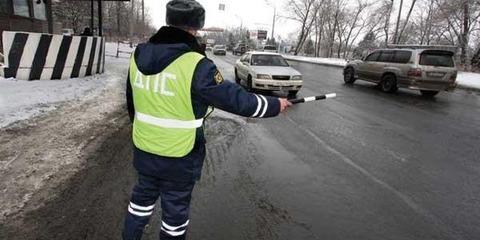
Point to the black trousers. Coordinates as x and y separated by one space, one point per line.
175 204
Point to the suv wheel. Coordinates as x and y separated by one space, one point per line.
389 83
349 76
237 79
428 93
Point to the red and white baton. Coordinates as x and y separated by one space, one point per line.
312 98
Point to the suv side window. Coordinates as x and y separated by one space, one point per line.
402 56
386 56
372 57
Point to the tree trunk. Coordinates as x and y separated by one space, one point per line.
476 59
428 25
386 28
357 14
118 19
395 36
465 31
406 21
332 36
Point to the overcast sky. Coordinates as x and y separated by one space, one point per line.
253 14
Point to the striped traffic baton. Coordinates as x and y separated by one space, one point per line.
312 98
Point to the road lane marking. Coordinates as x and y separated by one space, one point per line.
416 208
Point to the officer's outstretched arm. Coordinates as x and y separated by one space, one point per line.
209 86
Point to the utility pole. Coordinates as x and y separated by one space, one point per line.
274 19
274 16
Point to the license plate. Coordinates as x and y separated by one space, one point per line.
435 74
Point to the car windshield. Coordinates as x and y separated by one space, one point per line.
270 48
269 60
219 47
437 59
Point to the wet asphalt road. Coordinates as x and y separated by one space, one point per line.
366 165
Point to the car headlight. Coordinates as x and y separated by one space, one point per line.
264 76
297 77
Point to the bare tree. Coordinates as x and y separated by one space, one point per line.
461 22
303 11
73 14
335 26
354 27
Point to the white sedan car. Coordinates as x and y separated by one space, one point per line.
267 71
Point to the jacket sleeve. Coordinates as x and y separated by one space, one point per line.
129 97
209 87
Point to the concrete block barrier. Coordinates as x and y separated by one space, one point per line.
33 56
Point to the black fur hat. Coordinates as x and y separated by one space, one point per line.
185 13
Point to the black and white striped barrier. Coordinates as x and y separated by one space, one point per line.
313 98
32 56
2 65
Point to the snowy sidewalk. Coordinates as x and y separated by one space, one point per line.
464 79
20 100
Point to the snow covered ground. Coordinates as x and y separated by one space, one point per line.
20 100
464 79
468 79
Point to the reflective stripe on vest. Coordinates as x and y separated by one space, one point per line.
165 123
168 123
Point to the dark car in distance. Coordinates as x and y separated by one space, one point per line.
219 50
239 49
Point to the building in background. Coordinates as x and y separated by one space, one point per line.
25 15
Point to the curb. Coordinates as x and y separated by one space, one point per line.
467 88
317 63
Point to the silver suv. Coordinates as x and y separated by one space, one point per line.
430 69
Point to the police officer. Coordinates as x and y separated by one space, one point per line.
170 88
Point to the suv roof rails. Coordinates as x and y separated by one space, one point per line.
450 48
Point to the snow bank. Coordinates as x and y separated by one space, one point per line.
324 61
464 79
20 100
469 80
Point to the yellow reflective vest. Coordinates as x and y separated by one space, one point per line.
164 121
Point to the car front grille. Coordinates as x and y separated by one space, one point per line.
281 77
